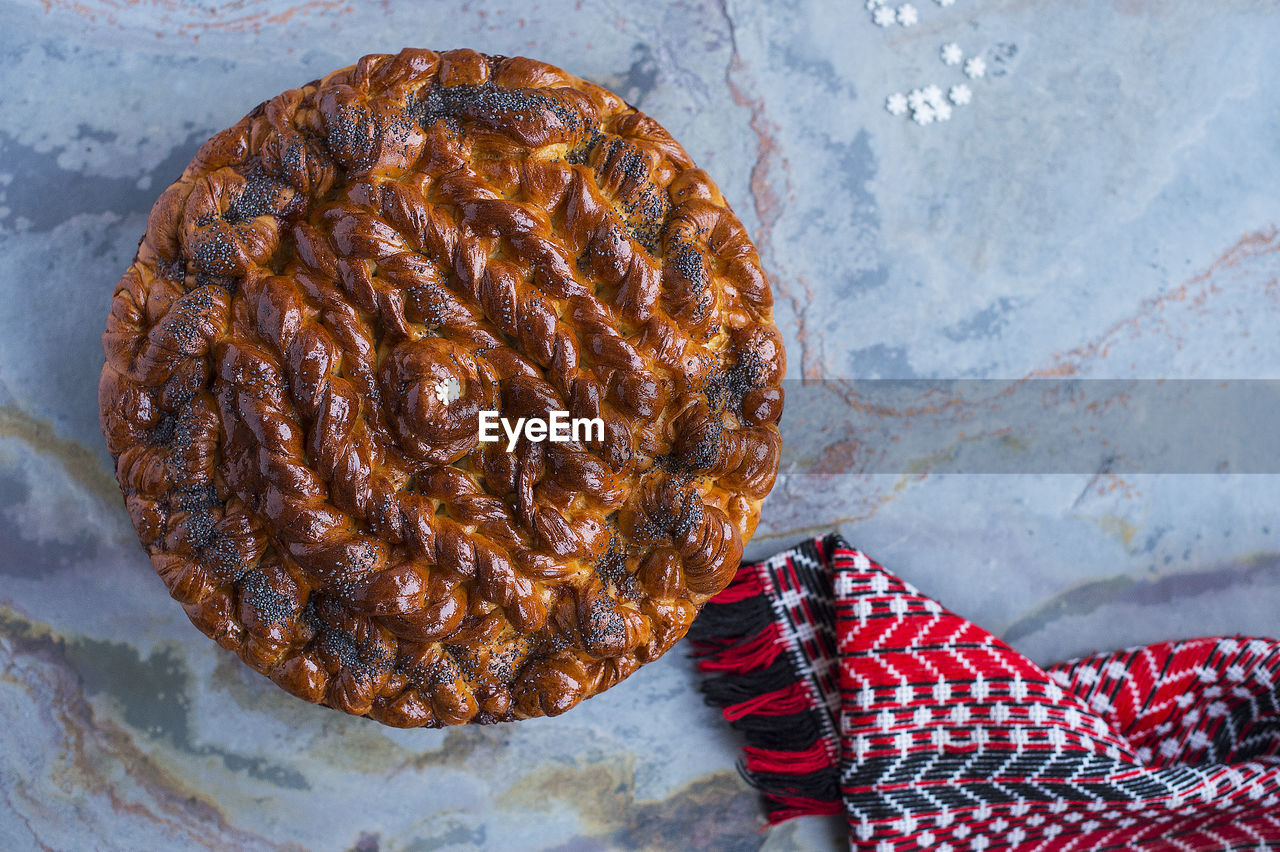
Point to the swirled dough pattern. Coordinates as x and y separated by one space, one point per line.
496 226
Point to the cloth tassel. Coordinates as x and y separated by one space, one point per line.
745 584
812 759
790 807
788 758
781 702
758 652
722 625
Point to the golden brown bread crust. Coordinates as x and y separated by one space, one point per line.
273 352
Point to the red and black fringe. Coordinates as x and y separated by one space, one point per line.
789 756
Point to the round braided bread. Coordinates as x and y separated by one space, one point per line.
321 308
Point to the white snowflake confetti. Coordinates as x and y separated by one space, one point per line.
916 99
975 68
941 111
907 15
924 115
896 103
883 16
961 94
946 2
951 53
932 96
448 390
872 5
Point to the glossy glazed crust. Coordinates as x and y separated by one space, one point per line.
273 354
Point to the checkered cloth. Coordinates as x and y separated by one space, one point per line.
859 695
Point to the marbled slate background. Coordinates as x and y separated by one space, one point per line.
1106 207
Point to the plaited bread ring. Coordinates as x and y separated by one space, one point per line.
323 311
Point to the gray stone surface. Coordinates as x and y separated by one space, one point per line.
1106 207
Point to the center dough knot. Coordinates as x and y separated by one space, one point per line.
434 391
